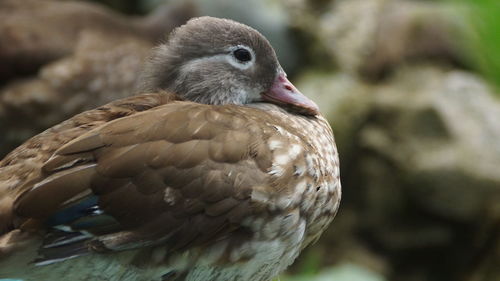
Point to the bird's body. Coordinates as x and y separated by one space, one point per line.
166 186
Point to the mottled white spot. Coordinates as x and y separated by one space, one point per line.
279 130
311 164
301 186
316 212
309 198
298 170
170 197
274 144
282 159
295 150
276 170
332 186
260 196
284 202
64 228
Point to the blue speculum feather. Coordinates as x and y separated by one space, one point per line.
73 212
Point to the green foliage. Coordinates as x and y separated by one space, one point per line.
484 37
311 263
342 272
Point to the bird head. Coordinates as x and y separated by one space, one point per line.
220 61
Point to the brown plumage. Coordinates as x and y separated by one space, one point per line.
158 187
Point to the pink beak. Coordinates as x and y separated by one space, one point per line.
284 93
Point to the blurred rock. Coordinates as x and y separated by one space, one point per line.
35 32
372 37
103 68
428 171
444 134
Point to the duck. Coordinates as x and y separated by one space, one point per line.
219 169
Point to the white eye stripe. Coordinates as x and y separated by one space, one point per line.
227 56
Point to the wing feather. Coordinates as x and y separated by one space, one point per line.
179 173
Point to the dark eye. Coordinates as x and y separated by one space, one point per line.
242 55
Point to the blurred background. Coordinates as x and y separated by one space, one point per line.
411 88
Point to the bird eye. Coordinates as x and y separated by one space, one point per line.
242 55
